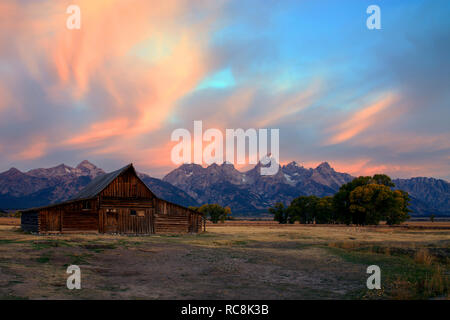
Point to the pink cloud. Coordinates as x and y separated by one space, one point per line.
143 91
361 120
34 150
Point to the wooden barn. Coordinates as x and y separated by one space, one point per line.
116 202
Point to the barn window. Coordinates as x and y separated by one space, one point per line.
137 213
86 205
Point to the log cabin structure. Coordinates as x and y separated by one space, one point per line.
116 202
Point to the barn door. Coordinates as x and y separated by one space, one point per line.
111 221
50 221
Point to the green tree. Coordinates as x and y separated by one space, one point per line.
432 216
324 211
279 212
304 209
383 179
214 212
372 203
400 210
341 200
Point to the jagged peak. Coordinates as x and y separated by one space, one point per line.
260 164
226 163
62 165
293 164
13 170
324 165
86 164
213 165
187 165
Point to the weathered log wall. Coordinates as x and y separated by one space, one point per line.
74 216
127 185
171 223
80 221
126 220
172 218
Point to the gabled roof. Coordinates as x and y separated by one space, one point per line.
92 189
99 184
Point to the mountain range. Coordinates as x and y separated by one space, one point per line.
39 187
191 184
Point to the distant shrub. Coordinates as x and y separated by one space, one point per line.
215 212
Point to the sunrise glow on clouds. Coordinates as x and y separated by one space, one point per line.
113 91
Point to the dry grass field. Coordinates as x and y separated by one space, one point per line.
235 260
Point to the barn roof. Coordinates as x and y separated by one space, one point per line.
92 189
99 184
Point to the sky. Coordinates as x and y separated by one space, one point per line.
366 101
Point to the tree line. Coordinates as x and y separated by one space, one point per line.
362 201
214 212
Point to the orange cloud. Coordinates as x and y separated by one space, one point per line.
143 87
98 132
109 30
34 150
361 120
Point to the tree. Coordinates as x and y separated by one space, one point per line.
324 211
383 179
400 210
366 200
432 216
311 209
279 213
372 203
341 200
215 212
303 209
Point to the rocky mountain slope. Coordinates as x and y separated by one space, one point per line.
250 191
44 186
428 195
191 184
247 192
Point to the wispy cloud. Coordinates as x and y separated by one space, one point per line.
362 119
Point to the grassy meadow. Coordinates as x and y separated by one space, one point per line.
234 260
